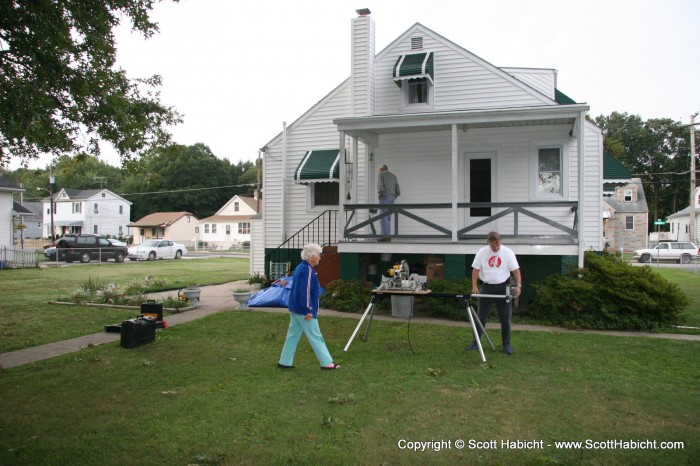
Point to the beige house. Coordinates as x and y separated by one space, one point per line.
182 227
626 217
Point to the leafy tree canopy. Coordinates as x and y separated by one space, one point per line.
655 150
60 90
183 178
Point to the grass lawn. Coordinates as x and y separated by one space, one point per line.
27 319
208 392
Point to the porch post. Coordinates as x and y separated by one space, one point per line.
581 188
455 183
342 157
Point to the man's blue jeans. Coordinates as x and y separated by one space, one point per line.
386 221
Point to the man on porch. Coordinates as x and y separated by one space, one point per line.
388 190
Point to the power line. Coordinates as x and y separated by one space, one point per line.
185 190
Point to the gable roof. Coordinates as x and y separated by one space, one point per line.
7 185
20 209
83 194
629 207
160 219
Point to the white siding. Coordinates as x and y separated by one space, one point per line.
544 80
463 81
257 246
592 222
362 66
314 130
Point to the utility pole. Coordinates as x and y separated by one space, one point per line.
692 178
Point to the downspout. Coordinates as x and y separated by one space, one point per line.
455 184
284 181
581 187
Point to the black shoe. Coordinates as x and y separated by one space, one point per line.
282 366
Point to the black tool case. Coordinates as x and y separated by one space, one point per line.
138 331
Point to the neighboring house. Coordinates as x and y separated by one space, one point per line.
230 225
29 214
679 223
475 148
7 191
89 211
182 227
625 209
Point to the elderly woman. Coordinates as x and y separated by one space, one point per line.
303 311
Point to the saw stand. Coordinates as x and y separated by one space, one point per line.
464 300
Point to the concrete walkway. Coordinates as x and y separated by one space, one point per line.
218 298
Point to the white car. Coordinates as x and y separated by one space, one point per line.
680 251
157 249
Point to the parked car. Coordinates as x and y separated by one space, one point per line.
153 249
89 247
681 251
50 252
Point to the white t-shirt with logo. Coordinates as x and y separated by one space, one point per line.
495 267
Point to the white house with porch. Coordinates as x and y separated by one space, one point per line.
679 222
475 147
86 211
230 225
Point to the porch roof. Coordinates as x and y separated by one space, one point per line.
369 127
318 166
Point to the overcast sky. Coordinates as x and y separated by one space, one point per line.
237 70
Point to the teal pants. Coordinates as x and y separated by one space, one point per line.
297 326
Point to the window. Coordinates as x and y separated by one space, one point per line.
121 232
629 223
418 91
549 171
326 194
213 228
142 232
76 207
228 230
244 227
206 228
95 209
189 219
94 229
236 207
121 209
629 195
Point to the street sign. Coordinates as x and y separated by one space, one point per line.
659 222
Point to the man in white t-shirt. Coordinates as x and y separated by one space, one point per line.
493 265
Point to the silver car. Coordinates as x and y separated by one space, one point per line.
680 251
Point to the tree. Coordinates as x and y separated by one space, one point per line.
657 151
60 90
183 178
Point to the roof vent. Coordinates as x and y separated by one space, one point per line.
416 43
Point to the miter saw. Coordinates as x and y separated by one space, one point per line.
400 278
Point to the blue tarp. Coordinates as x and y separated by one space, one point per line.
276 295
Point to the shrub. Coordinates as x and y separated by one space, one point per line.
608 294
346 296
448 308
258 278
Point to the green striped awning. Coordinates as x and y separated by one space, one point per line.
318 166
414 66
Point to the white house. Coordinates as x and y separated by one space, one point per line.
182 227
7 191
679 222
476 147
230 225
90 211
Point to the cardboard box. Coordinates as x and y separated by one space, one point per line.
435 271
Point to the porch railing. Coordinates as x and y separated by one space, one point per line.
322 230
524 220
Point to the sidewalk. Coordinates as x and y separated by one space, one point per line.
218 298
